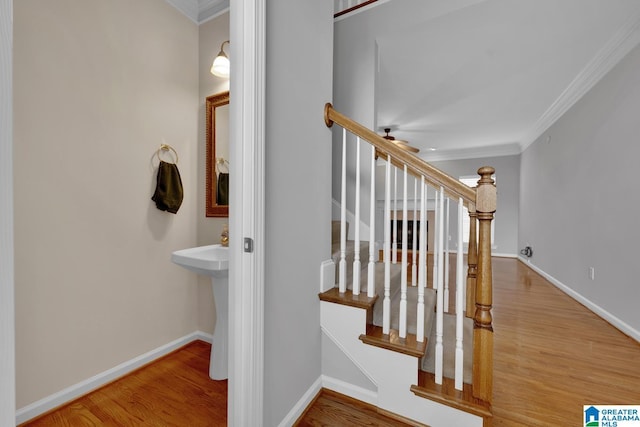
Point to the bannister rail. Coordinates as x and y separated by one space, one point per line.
399 157
473 286
343 7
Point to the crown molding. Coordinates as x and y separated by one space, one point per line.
209 9
200 11
188 7
625 39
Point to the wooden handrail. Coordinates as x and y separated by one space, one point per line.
351 9
416 166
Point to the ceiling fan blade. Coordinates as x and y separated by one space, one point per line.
405 146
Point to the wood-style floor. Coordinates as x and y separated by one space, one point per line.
551 354
173 391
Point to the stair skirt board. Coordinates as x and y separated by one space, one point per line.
393 373
70 393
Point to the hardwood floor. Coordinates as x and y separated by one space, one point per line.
173 391
337 410
551 356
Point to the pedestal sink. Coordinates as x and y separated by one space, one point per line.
213 261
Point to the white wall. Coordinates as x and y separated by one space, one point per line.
354 75
98 86
508 186
298 196
579 197
7 321
211 35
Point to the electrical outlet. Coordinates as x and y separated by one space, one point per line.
592 273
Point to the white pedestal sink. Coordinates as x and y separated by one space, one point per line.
213 261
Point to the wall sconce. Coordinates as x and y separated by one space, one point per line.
220 66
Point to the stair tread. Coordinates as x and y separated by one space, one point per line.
447 394
347 298
392 341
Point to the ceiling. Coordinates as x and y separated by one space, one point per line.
472 78
476 78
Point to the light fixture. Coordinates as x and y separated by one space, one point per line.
220 66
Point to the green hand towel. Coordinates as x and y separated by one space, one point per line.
168 194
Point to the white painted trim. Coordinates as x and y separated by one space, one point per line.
7 296
246 213
200 11
501 255
617 48
212 11
189 8
351 390
324 381
619 324
83 387
327 275
302 404
346 352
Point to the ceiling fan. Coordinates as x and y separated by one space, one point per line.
399 142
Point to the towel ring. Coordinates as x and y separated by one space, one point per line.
166 147
221 161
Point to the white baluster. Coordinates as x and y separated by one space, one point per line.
460 285
446 259
403 283
414 243
371 278
436 253
422 269
440 294
356 244
425 243
386 302
394 229
342 266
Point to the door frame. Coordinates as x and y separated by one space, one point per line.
7 286
246 213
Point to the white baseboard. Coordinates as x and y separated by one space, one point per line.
354 391
73 392
330 383
619 324
501 255
302 404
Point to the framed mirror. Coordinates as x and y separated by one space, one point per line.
218 167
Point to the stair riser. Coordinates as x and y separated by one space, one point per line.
393 373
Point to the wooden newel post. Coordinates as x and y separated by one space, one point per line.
482 321
472 262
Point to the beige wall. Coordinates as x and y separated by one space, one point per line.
98 85
212 34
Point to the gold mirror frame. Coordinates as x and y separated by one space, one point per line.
212 208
